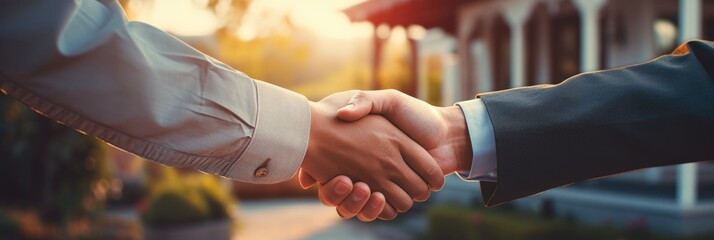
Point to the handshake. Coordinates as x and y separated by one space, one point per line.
395 148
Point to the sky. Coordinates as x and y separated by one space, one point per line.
190 18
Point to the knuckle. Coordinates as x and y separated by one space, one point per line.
436 176
325 202
329 199
348 211
390 216
404 206
359 96
339 213
423 195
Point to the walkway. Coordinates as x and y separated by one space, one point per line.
305 219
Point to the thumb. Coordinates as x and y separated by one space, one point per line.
306 181
360 105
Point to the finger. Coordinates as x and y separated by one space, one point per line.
334 191
422 164
411 183
359 106
355 201
397 197
388 213
306 181
401 109
366 102
373 208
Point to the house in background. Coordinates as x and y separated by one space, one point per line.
472 46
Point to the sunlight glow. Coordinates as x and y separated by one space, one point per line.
665 34
323 17
184 17
263 17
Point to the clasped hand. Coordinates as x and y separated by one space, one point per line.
394 148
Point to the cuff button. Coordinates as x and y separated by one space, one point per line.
261 172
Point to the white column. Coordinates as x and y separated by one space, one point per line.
690 19
436 42
482 61
516 15
450 91
422 81
589 33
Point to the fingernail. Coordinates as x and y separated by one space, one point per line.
342 188
349 106
358 196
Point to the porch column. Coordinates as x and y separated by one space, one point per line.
516 15
690 20
589 33
380 34
450 87
482 59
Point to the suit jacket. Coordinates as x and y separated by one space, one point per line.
603 123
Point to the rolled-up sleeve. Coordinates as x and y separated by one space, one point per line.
83 64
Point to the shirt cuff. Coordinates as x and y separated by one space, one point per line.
483 142
280 139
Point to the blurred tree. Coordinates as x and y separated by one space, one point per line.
229 12
47 166
284 53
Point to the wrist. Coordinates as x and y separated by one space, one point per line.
458 137
315 121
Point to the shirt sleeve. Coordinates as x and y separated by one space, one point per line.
136 87
483 142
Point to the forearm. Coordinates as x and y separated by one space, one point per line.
81 63
603 123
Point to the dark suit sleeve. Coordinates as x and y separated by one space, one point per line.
603 123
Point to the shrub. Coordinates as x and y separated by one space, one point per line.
447 222
176 207
190 198
454 222
47 166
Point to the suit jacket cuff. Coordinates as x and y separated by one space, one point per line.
280 139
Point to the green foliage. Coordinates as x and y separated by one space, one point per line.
453 222
176 207
47 166
450 223
190 198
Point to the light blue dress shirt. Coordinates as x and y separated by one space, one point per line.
82 63
483 142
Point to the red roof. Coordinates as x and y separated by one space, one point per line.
426 13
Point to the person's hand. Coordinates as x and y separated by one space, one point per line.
372 151
352 200
442 131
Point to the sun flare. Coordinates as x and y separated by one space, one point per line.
191 18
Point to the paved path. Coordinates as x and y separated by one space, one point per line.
304 219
